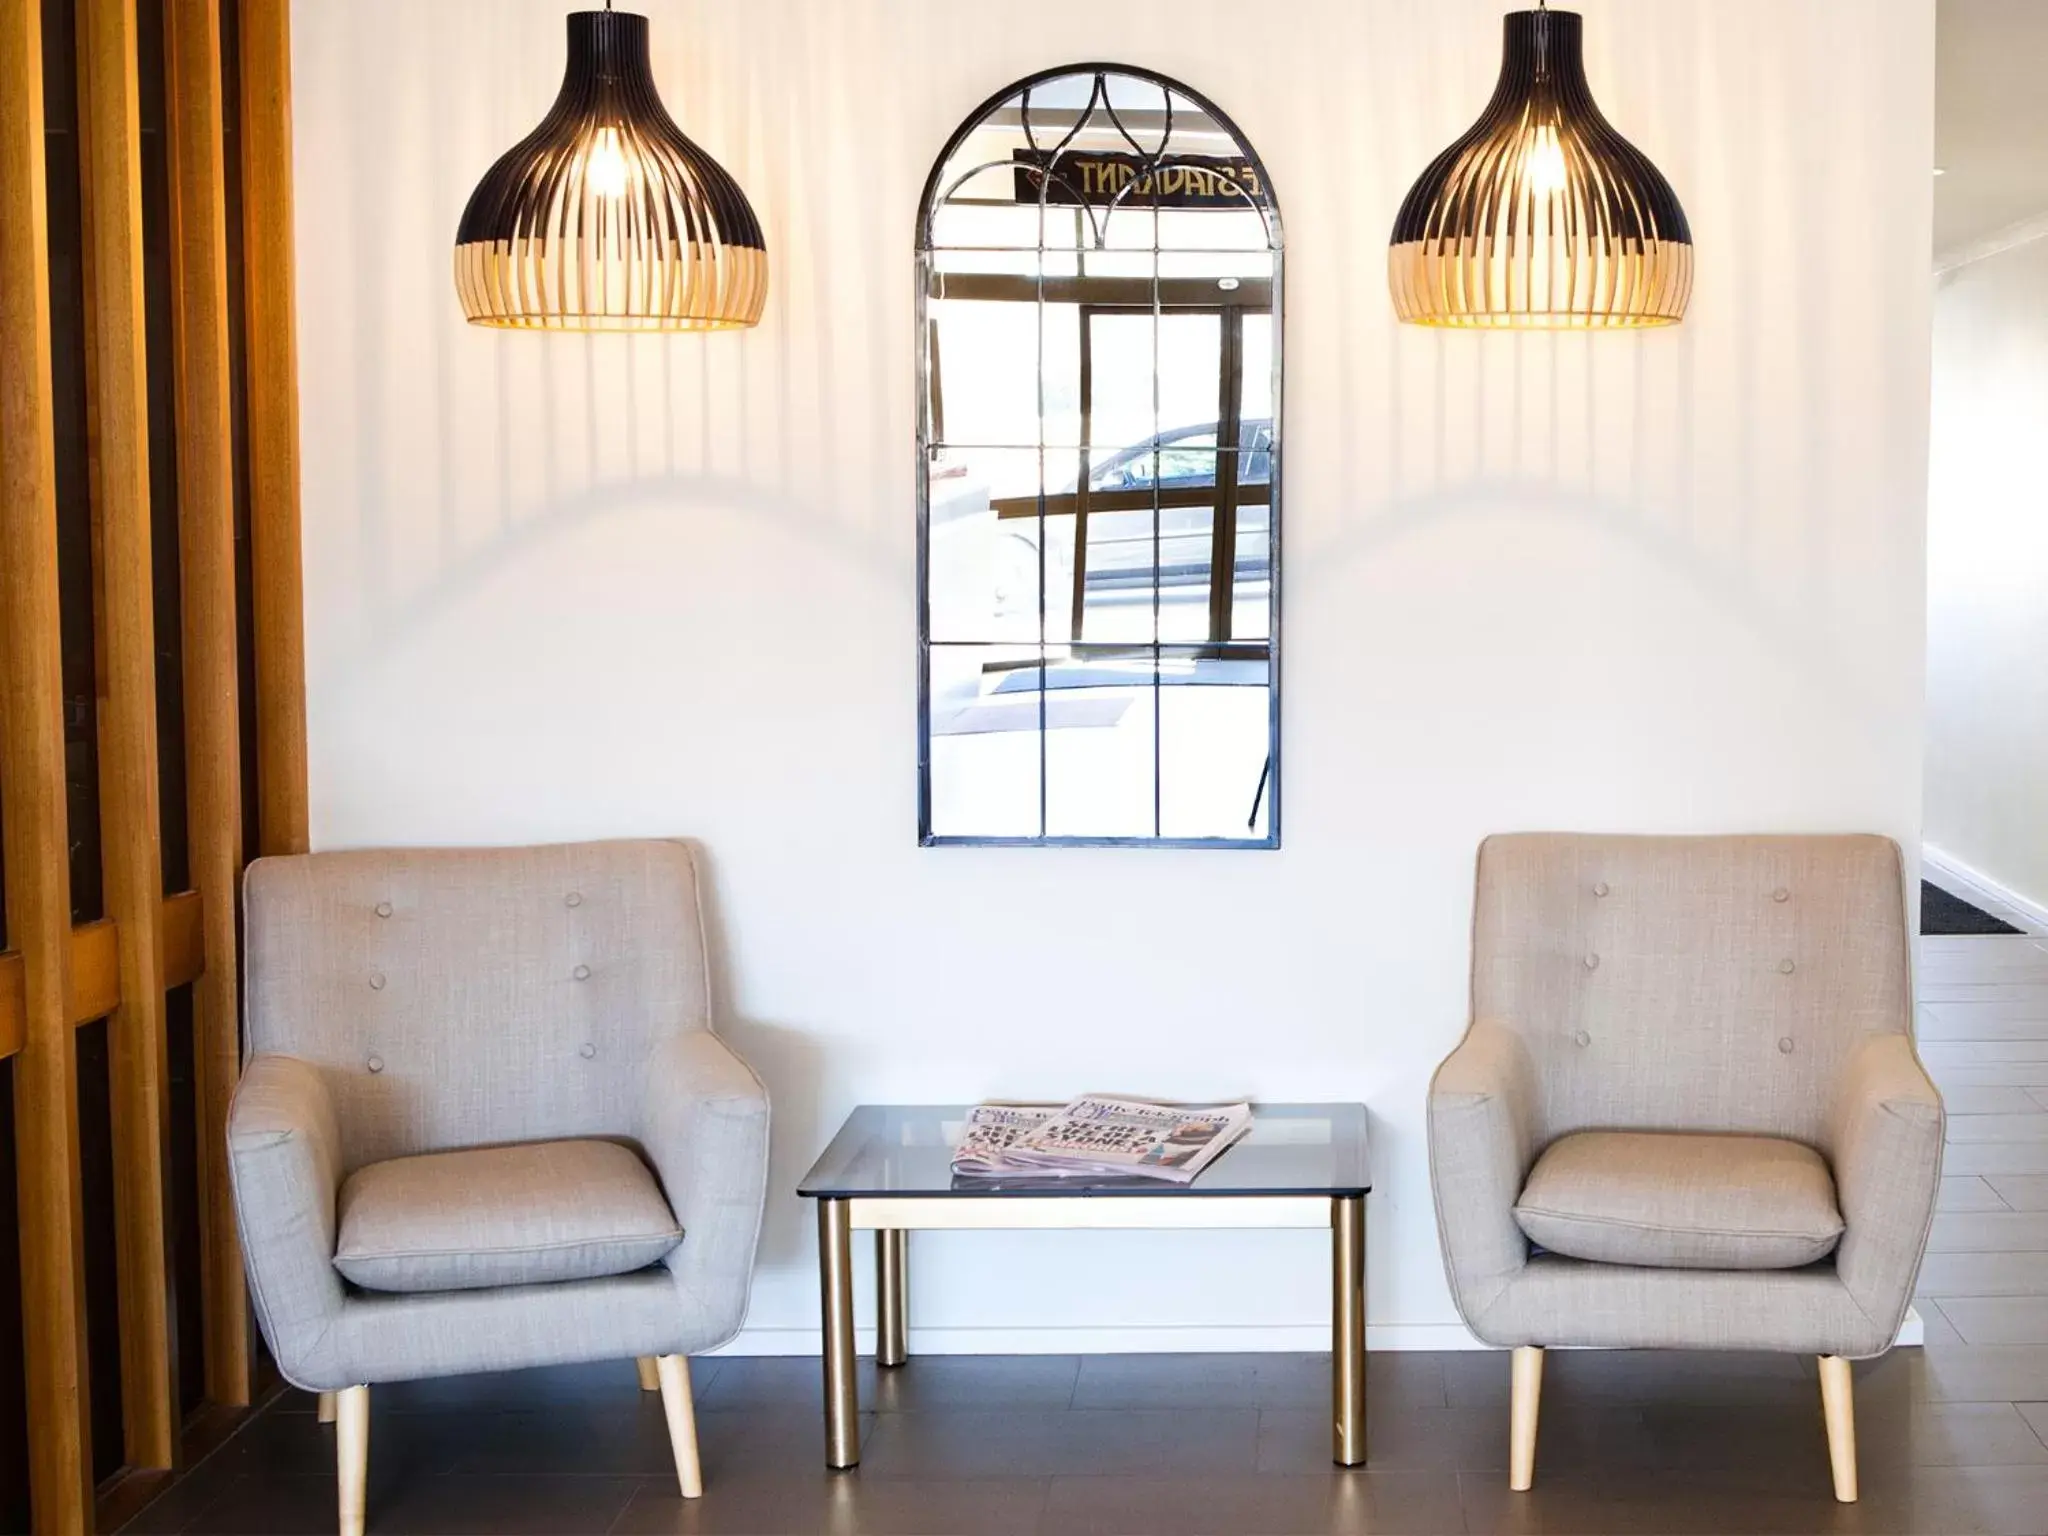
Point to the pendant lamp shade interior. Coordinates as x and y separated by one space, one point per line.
1542 216
606 217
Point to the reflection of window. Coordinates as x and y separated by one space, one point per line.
1099 257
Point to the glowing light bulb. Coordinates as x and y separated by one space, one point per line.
1546 169
605 169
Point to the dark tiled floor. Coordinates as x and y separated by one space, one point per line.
1954 1437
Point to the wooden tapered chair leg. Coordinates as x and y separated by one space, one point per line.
1526 1399
352 1455
1838 1405
326 1409
650 1376
674 1371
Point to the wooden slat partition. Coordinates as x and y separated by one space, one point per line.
60 976
117 371
32 804
277 598
95 972
96 968
184 934
199 261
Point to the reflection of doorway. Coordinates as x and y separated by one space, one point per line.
1158 507
1098 582
1160 529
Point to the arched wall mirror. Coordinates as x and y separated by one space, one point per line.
1099 257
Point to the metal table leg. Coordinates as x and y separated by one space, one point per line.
835 1286
892 1295
1347 1329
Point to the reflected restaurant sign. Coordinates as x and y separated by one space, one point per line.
1097 180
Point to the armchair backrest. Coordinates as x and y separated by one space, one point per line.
464 997
1690 983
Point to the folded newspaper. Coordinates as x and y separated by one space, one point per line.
1096 1137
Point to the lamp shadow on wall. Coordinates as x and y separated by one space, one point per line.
468 453
1755 459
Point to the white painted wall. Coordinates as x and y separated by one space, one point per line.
564 586
1987 579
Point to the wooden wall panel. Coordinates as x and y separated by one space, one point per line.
192 60
278 606
32 811
95 973
149 593
118 371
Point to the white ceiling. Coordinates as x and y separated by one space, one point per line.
1991 119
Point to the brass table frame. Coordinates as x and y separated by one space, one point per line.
892 1218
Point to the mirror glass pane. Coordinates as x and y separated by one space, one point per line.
1099 435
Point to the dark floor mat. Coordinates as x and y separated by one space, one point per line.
1943 913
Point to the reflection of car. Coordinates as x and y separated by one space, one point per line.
1186 457
1120 536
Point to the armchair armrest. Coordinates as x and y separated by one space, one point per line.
284 1162
1886 1136
1482 1116
703 1123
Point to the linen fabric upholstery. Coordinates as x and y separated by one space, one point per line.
1736 985
1887 1136
522 1215
420 1001
454 998
1679 1201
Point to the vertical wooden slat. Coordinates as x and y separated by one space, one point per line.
271 343
117 370
38 885
192 67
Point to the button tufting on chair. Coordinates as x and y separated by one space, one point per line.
510 1213
383 909
1673 1191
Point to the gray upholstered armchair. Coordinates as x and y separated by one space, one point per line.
484 1124
1687 1114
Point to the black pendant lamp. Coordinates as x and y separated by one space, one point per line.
1541 217
606 217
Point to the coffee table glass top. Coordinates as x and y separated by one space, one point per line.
907 1149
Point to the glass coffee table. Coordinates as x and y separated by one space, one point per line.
889 1171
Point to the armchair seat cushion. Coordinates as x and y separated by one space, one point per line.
1672 1200
491 1216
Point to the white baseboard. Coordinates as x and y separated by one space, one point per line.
1980 890
1276 1338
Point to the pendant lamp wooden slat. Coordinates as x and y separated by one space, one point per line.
606 217
1542 216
